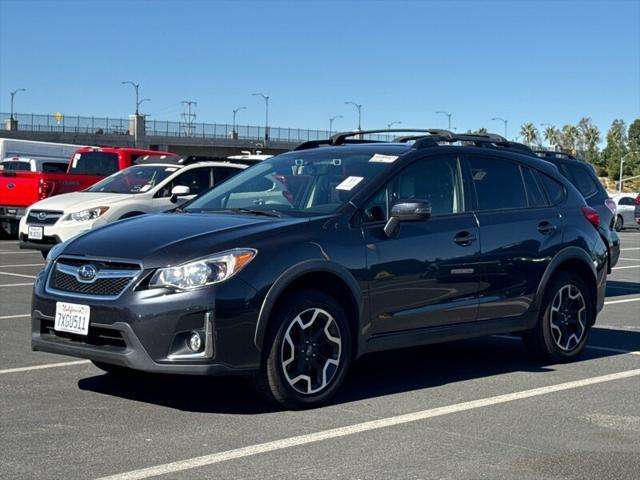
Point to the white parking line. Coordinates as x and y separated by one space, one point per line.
7 317
629 259
626 300
626 266
615 350
30 252
205 460
28 265
42 367
17 274
15 284
630 248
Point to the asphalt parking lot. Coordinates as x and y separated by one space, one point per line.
472 409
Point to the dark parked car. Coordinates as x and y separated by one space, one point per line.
583 176
306 261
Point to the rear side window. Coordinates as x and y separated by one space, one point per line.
626 201
54 167
554 189
498 184
580 178
94 163
534 193
220 174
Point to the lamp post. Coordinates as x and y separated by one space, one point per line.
359 107
235 112
448 117
621 165
13 94
389 125
142 101
266 121
506 122
136 87
331 122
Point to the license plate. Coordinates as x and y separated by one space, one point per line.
72 318
35 233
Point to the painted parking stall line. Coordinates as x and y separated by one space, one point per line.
625 267
43 367
24 265
625 300
15 284
11 274
214 458
7 317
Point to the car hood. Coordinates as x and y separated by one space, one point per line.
173 238
77 201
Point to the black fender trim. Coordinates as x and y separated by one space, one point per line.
295 272
568 253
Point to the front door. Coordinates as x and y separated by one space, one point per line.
426 274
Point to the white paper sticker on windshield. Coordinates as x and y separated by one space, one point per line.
76 157
170 169
349 182
146 187
379 158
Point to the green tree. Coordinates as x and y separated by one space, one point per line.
634 136
529 133
616 148
569 138
552 136
587 143
632 161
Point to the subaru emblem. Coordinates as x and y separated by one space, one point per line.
87 273
41 216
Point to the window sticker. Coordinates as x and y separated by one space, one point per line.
379 158
76 157
170 169
146 187
479 175
349 182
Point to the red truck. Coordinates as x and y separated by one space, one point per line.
20 189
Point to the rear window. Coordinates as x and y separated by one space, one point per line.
626 201
554 189
580 178
16 166
94 163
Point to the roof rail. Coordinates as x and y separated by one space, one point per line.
554 154
175 160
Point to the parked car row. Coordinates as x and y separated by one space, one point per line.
293 268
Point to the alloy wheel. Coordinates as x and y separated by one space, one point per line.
568 317
310 352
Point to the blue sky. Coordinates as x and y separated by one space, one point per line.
542 61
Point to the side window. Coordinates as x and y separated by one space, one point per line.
437 180
220 174
498 184
580 178
197 179
54 167
626 201
534 191
554 189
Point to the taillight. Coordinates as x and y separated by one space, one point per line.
611 205
637 200
592 216
45 188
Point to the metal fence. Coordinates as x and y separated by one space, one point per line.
32 122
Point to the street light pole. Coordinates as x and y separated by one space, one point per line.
136 86
506 122
359 107
621 165
266 122
331 122
13 94
235 112
448 117
389 125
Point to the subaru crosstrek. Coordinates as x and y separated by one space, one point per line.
306 261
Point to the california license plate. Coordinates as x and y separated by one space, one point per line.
35 233
72 318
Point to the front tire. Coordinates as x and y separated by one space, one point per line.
307 352
565 321
619 225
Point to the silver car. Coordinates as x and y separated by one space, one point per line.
626 204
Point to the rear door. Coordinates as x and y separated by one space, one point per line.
426 274
520 234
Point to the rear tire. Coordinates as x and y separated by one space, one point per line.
307 351
565 320
619 225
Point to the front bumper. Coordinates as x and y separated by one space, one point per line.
146 329
52 234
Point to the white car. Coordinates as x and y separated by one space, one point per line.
155 184
626 205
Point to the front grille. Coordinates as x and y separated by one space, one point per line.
97 336
109 281
50 217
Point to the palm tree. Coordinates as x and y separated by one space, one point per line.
529 133
569 138
552 136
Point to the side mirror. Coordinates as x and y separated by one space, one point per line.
179 191
407 211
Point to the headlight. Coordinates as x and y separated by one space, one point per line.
205 271
85 215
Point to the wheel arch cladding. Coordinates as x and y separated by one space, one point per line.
573 260
322 276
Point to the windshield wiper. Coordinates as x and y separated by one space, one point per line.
256 211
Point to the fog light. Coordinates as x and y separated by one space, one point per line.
195 342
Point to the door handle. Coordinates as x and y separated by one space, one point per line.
464 239
546 228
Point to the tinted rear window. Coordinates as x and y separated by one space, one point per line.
94 163
534 193
626 201
580 178
498 184
554 189
16 166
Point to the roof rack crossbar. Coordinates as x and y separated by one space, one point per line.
339 138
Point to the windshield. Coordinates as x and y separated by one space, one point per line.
94 163
138 179
310 182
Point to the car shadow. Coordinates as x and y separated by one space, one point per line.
372 376
617 288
